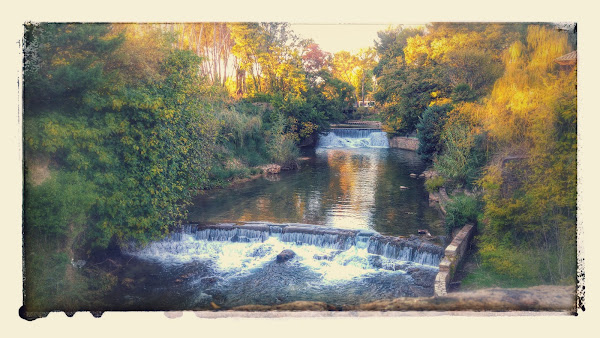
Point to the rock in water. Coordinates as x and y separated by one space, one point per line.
271 168
413 175
375 261
285 255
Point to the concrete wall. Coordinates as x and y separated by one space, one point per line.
401 142
454 254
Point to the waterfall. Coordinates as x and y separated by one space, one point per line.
354 138
196 240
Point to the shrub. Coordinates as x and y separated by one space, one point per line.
281 146
463 92
462 209
434 183
360 113
429 130
462 146
63 199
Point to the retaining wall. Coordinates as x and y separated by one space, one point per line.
454 254
407 143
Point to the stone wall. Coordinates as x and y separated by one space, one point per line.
407 143
454 254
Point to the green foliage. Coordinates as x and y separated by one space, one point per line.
390 45
473 68
64 63
67 196
45 280
463 93
143 147
487 277
52 283
331 96
419 68
364 113
429 129
460 210
463 155
238 128
433 184
282 147
406 92
527 262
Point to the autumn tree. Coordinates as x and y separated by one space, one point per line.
450 61
531 186
314 59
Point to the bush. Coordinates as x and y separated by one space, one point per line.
63 199
281 146
430 129
463 92
463 152
361 113
434 183
462 209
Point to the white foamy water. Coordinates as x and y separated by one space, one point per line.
354 138
242 258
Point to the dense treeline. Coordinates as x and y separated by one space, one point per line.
124 123
496 114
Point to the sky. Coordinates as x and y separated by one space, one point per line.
336 37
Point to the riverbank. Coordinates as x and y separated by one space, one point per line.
271 170
539 298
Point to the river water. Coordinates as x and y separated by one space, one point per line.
351 188
351 181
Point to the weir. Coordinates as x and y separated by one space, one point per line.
354 138
396 248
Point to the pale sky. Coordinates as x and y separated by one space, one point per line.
336 37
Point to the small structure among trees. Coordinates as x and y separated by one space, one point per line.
567 61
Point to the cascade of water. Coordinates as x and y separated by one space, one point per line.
354 138
321 240
195 241
402 252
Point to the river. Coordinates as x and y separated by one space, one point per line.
352 183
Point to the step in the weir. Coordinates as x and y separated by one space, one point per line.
412 249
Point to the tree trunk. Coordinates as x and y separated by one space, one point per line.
363 88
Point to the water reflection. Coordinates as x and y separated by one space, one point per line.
345 188
356 176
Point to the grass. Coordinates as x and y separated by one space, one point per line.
475 273
483 277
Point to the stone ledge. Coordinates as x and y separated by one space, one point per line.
406 143
454 253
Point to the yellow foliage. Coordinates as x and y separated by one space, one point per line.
521 98
440 101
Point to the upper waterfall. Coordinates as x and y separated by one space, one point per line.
354 138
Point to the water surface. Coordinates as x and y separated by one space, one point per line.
352 188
